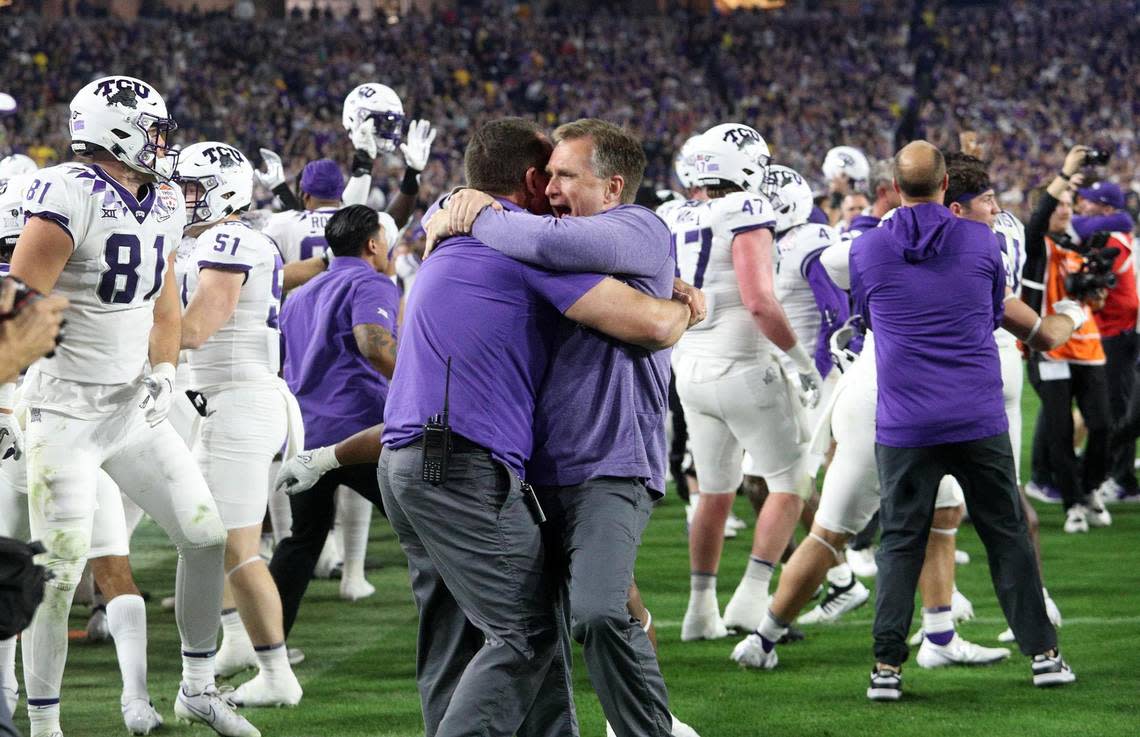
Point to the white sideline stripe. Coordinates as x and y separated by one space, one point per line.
847 622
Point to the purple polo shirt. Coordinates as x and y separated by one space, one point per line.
932 286
339 391
496 318
601 408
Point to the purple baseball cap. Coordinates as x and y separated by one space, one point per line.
322 179
1104 193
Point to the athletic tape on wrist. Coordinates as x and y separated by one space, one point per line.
951 531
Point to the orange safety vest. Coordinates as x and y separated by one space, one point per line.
1084 346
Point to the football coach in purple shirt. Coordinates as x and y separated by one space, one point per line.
340 350
932 287
600 454
489 637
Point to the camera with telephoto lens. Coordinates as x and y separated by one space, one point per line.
25 295
1097 157
1096 272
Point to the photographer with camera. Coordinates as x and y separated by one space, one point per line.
1104 227
1057 268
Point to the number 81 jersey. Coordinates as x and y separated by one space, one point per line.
703 232
115 271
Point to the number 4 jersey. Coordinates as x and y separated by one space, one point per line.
114 273
248 346
703 232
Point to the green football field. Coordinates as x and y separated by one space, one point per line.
359 674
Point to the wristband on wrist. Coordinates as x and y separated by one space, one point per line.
411 182
1064 176
1033 333
288 200
361 163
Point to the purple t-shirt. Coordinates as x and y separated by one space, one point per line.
496 319
601 408
339 391
932 286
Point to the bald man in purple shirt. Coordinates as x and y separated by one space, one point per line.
489 634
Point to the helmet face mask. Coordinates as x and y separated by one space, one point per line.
790 195
128 119
378 105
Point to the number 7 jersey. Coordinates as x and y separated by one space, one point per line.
703 232
115 271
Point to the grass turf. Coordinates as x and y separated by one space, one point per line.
359 675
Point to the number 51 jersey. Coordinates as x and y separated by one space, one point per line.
115 271
703 232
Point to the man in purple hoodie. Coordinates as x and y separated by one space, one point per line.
932 287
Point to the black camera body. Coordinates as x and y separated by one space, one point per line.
1096 273
1097 157
25 295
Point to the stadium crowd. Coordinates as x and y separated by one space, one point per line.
809 79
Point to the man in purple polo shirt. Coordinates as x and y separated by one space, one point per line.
340 351
932 287
600 452
489 635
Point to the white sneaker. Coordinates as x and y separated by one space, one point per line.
1075 519
737 524
749 653
282 690
960 607
838 602
235 655
702 619
52 733
97 628
958 652
296 656
167 602
1051 671
961 558
729 530
863 562
140 716
354 589
745 612
213 710
1097 515
680 729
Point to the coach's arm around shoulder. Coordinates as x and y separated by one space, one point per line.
622 312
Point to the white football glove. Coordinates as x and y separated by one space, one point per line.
809 376
417 147
364 139
1071 309
11 438
274 174
303 470
158 393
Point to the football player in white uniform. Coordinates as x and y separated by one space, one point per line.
816 308
728 377
845 169
232 295
972 196
101 232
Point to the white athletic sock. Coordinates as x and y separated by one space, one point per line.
197 671
938 625
353 570
699 582
353 516
758 573
771 630
233 631
44 717
280 513
840 575
9 687
126 619
273 660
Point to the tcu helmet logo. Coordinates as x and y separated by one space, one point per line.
125 92
225 156
846 159
780 178
742 137
367 92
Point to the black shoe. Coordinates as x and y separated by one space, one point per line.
886 685
1051 670
794 634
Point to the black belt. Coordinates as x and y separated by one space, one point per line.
460 444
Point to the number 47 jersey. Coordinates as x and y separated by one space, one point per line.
115 271
703 232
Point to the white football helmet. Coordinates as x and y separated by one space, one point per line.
14 165
730 152
216 179
379 105
127 118
790 195
11 213
683 164
849 161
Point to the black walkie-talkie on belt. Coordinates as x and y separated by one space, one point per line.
436 445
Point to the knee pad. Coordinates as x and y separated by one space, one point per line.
66 572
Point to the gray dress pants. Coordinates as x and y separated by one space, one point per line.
488 634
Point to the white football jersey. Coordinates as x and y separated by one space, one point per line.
702 238
1011 236
795 247
115 272
248 345
300 234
